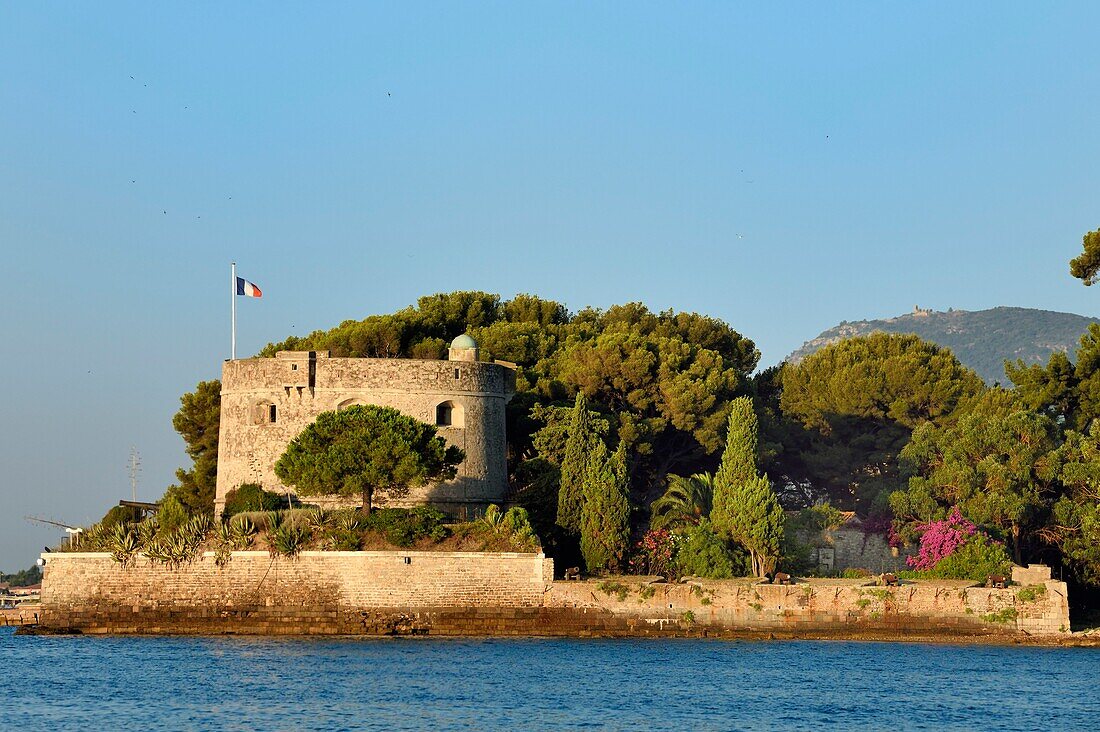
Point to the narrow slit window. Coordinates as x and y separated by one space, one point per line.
456 374
271 414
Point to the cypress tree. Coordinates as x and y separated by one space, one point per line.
758 523
574 466
605 514
746 508
738 460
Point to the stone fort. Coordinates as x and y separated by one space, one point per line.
267 402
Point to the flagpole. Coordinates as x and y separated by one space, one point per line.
233 310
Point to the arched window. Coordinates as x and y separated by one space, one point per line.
448 414
348 403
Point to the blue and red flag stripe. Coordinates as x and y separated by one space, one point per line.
246 288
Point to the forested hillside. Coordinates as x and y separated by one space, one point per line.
981 339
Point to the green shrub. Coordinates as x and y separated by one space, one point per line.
120 515
517 523
856 573
170 516
703 553
405 527
611 587
1031 593
975 560
1008 615
252 497
339 539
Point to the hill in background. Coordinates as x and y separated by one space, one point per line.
982 339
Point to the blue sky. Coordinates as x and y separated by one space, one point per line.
783 168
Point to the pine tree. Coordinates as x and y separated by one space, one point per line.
605 515
579 446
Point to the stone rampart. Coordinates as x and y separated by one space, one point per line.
449 593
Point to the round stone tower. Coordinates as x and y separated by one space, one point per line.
267 402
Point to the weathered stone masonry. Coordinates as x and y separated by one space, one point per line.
508 594
267 402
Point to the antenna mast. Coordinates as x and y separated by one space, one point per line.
135 468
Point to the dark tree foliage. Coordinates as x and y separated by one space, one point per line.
1000 471
846 412
23 578
1086 265
1068 393
664 379
198 422
1074 525
363 449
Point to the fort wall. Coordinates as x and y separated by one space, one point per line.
267 402
448 593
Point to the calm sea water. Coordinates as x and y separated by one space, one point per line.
122 683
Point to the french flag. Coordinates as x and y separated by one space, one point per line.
246 288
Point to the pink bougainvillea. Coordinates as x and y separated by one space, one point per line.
941 538
654 552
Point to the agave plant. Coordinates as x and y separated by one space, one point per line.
273 520
242 532
318 518
123 543
180 548
289 539
223 549
147 531
95 539
157 551
349 521
196 529
493 518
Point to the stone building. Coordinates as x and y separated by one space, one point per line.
850 546
267 402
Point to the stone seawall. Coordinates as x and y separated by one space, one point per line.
254 592
820 607
443 593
